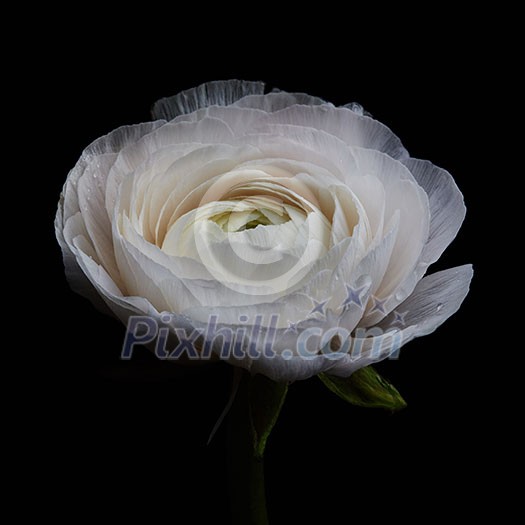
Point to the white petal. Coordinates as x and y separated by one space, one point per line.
104 287
404 194
119 138
351 128
328 160
199 281
434 300
89 178
150 279
377 260
282 363
173 135
76 278
121 306
369 348
155 152
178 266
302 144
372 196
111 143
294 309
91 198
447 209
240 120
294 369
277 100
208 130
251 260
217 93
171 194
349 219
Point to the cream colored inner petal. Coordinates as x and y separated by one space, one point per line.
252 212
245 206
260 232
220 187
253 223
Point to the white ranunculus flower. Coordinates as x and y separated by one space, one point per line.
283 218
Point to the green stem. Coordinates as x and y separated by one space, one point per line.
246 470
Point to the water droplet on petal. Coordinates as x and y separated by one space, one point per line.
439 306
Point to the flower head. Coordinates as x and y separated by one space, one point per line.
287 220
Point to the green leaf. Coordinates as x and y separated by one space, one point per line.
266 400
365 388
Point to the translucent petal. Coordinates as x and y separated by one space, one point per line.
447 209
220 93
434 300
351 128
277 100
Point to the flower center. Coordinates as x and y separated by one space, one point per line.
249 212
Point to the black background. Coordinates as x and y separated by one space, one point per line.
121 436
